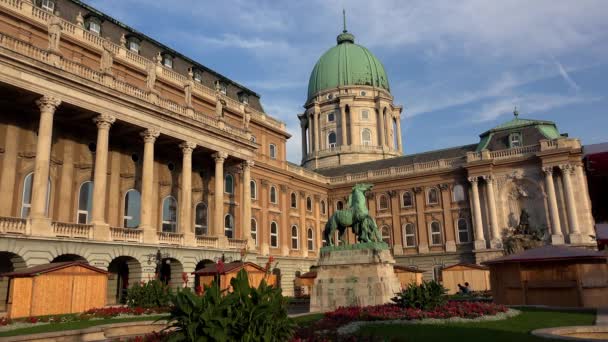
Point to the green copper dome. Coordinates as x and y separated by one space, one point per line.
346 64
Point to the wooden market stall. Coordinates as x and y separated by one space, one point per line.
255 274
56 288
408 275
477 276
306 280
551 275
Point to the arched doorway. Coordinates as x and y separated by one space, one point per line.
9 262
171 272
69 257
201 264
124 272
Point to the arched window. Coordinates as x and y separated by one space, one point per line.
463 230
169 214
432 196
26 198
93 24
366 137
295 243
382 202
308 203
293 200
85 202
386 235
407 200
254 231
339 205
201 219
331 140
409 235
323 209
273 151
458 193
436 233
273 195
254 189
228 226
131 216
274 235
228 184
310 239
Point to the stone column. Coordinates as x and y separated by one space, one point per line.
218 198
389 128
587 220
480 242
399 142
101 229
310 133
303 243
574 233
303 129
495 241
422 231
186 224
448 222
343 125
9 162
381 126
40 185
247 165
147 187
317 120
556 230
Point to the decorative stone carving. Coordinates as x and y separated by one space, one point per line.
55 26
150 135
246 117
548 170
248 163
151 77
392 193
123 40
220 157
443 186
283 188
188 85
107 58
187 147
80 20
219 106
473 180
302 194
48 104
104 121
417 189
264 183
567 168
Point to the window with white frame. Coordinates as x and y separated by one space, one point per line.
85 202
273 151
458 193
295 243
254 231
222 87
274 235
167 60
331 117
436 233
253 189
26 197
432 196
197 75
243 97
366 137
515 140
308 203
228 184
407 199
409 235
386 234
132 209
323 209
93 24
48 5
383 202
365 115
332 140
201 219
339 205
229 226
293 200
310 238
134 44
169 223
273 195
464 235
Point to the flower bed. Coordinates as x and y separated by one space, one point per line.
333 321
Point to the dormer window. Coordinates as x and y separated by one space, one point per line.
93 24
48 5
244 97
330 96
197 75
515 140
167 60
134 44
331 117
222 87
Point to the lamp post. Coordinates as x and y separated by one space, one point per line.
157 259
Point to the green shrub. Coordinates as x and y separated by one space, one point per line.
425 296
246 314
152 294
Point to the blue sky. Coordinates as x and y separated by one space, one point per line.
458 67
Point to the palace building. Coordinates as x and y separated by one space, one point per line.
113 146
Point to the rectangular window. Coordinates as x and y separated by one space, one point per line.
94 27
168 62
134 46
48 5
410 235
273 151
365 115
515 140
331 117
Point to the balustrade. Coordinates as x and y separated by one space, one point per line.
72 230
12 225
126 234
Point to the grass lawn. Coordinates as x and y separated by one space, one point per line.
514 329
44 328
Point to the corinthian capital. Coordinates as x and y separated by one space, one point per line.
104 121
150 135
187 147
48 103
566 168
219 157
548 170
473 180
248 163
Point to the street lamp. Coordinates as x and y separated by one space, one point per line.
157 259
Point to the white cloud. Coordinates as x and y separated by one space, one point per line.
566 76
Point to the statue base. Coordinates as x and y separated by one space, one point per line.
354 275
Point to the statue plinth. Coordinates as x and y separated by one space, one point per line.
354 275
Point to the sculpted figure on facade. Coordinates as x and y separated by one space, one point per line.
188 88
80 20
151 77
219 106
246 117
55 26
107 58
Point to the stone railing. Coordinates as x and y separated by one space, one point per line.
72 230
124 55
350 148
515 152
207 241
12 225
237 243
306 173
170 238
126 234
561 143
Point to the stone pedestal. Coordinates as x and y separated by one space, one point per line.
354 275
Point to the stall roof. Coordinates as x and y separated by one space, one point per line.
408 269
54 266
211 269
309 275
479 267
549 253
